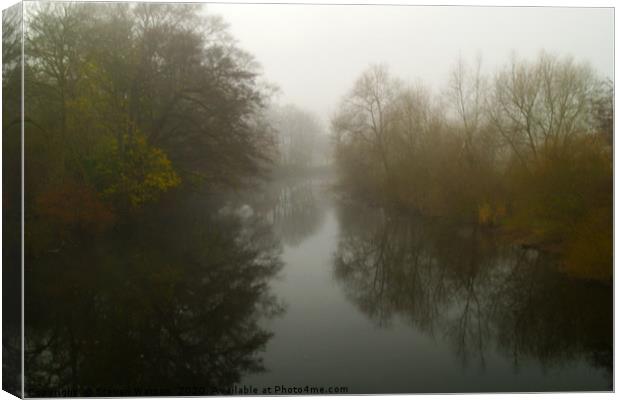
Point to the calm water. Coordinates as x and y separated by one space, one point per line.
295 286
386 304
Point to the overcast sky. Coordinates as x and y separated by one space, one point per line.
314 53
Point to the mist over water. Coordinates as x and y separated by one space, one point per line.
355 199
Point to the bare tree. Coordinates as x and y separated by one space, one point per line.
541 105
363 115
416 121
467 92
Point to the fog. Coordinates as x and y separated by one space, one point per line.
313 53
452 233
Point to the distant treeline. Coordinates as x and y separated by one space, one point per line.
302 142
528 149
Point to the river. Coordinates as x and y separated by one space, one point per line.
386 304
297 285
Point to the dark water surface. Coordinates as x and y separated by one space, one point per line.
390 304
292 286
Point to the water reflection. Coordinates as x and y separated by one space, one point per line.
294 207
296 214
168 303
184 295
461 285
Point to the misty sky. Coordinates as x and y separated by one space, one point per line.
314 53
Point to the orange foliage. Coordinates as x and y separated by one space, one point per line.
74 205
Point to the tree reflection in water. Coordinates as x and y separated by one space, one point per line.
294 208
171 302
460 284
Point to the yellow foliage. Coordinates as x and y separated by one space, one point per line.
485 213
135 176
490 215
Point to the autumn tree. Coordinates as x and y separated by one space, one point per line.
527 150
128 101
